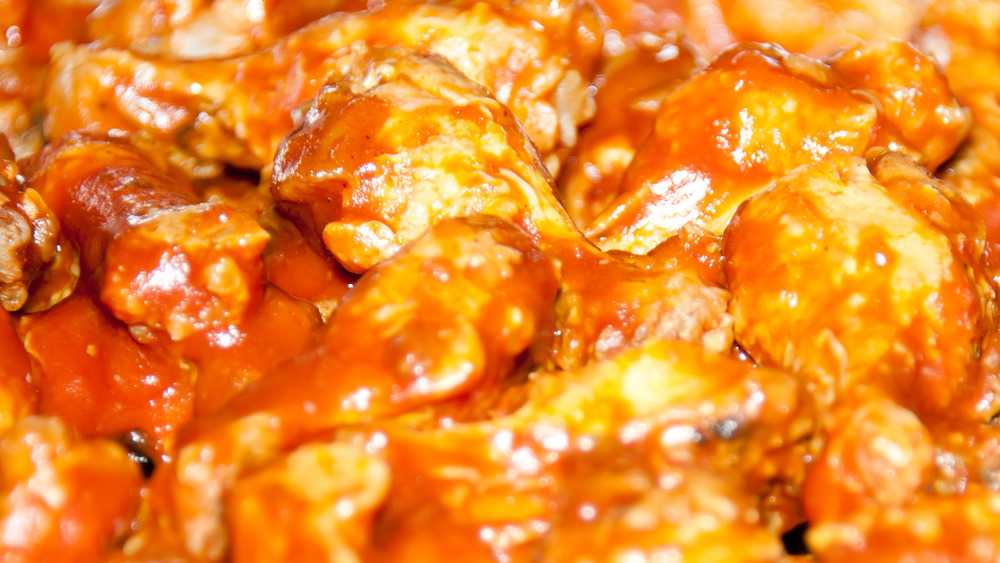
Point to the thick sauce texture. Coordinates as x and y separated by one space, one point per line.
499 281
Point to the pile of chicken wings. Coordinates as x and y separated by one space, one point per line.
624 281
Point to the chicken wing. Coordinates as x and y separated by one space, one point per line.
96 378
513 485
899 342
65 499
159 258
907 301
38 267
702 161
872 494
451 315
537 58
363 282
521 486
405 141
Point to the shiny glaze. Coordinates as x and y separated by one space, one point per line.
915 306
191 29
65 499
293 263
476 293
755 114
488 384
27 33
158 258
570 432
499 486
99 380
462 152
900 341
970 57
17 394
364 185
629 90
33 243
812 27
818 27
237 111
232 357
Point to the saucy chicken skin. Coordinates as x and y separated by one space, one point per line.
499 280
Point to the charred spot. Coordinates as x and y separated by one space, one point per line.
140 450
994 420
794 540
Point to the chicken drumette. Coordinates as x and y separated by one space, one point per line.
536 57
405 141
769 112
159 258
899 343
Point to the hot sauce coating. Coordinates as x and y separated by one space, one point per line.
65 498
160 259
451 315
909 300
403 140
38 267
199 29
414 143
756 113
236 111
630 89
959 35
99 380
333 308
17 394
902 348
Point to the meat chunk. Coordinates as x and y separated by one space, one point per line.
369 172
547 482
403 141
702 161
65 499
899 343
451 315
907 300
38 267
159 259
236 111
100 381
